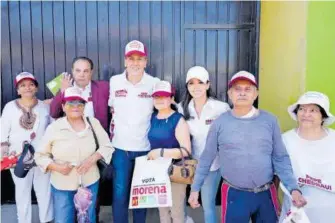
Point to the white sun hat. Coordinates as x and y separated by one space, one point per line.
313 97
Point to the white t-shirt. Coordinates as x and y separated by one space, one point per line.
132 108
317 160
87 95
11 130
199 126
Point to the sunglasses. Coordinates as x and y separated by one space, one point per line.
75 103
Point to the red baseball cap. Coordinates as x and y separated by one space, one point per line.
72 94
135 47
163 89
24 76
242 75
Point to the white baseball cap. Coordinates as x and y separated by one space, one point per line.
137 47
242 75
313 97
199 73
24 76
163 89
72 94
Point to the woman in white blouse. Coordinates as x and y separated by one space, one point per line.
25 119
311 147
200 109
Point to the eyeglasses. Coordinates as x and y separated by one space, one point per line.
75 103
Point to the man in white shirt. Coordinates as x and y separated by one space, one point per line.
131 106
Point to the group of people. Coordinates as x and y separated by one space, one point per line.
242 145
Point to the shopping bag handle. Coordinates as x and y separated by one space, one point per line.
182 155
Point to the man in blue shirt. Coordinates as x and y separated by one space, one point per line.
251 150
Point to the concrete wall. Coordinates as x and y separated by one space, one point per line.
297 53
320 72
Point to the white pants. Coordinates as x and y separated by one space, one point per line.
42 190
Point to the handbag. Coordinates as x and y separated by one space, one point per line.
105 169
183 171
26 161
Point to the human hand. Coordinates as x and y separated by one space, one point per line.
88 163
64 169
66 81
297 199
193 199
153 154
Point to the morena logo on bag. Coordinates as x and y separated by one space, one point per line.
148 180
149 189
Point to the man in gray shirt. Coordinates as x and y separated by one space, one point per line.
251 150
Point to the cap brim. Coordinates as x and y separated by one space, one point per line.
73 98
328 121
27 78
231 83
162 94
203 80
290 111
140 53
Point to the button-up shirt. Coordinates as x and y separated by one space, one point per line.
87 95
199 126
62 144
132 108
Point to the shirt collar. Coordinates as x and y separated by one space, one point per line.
251 113
88 87
208 104
142 81
65 125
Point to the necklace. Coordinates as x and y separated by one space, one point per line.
28 118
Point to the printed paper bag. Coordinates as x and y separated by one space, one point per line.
294 214
55 84
151 186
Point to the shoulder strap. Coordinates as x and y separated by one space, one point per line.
94 135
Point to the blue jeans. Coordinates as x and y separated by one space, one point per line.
239 206
208 195
123 165
64 208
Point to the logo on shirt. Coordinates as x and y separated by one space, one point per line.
209 121
121 93
144 95
311 181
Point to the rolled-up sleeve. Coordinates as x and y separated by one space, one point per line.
105 147
43 151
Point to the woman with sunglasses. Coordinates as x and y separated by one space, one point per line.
168 133
200 109
25 119
68 151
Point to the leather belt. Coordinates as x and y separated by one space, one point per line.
262 188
